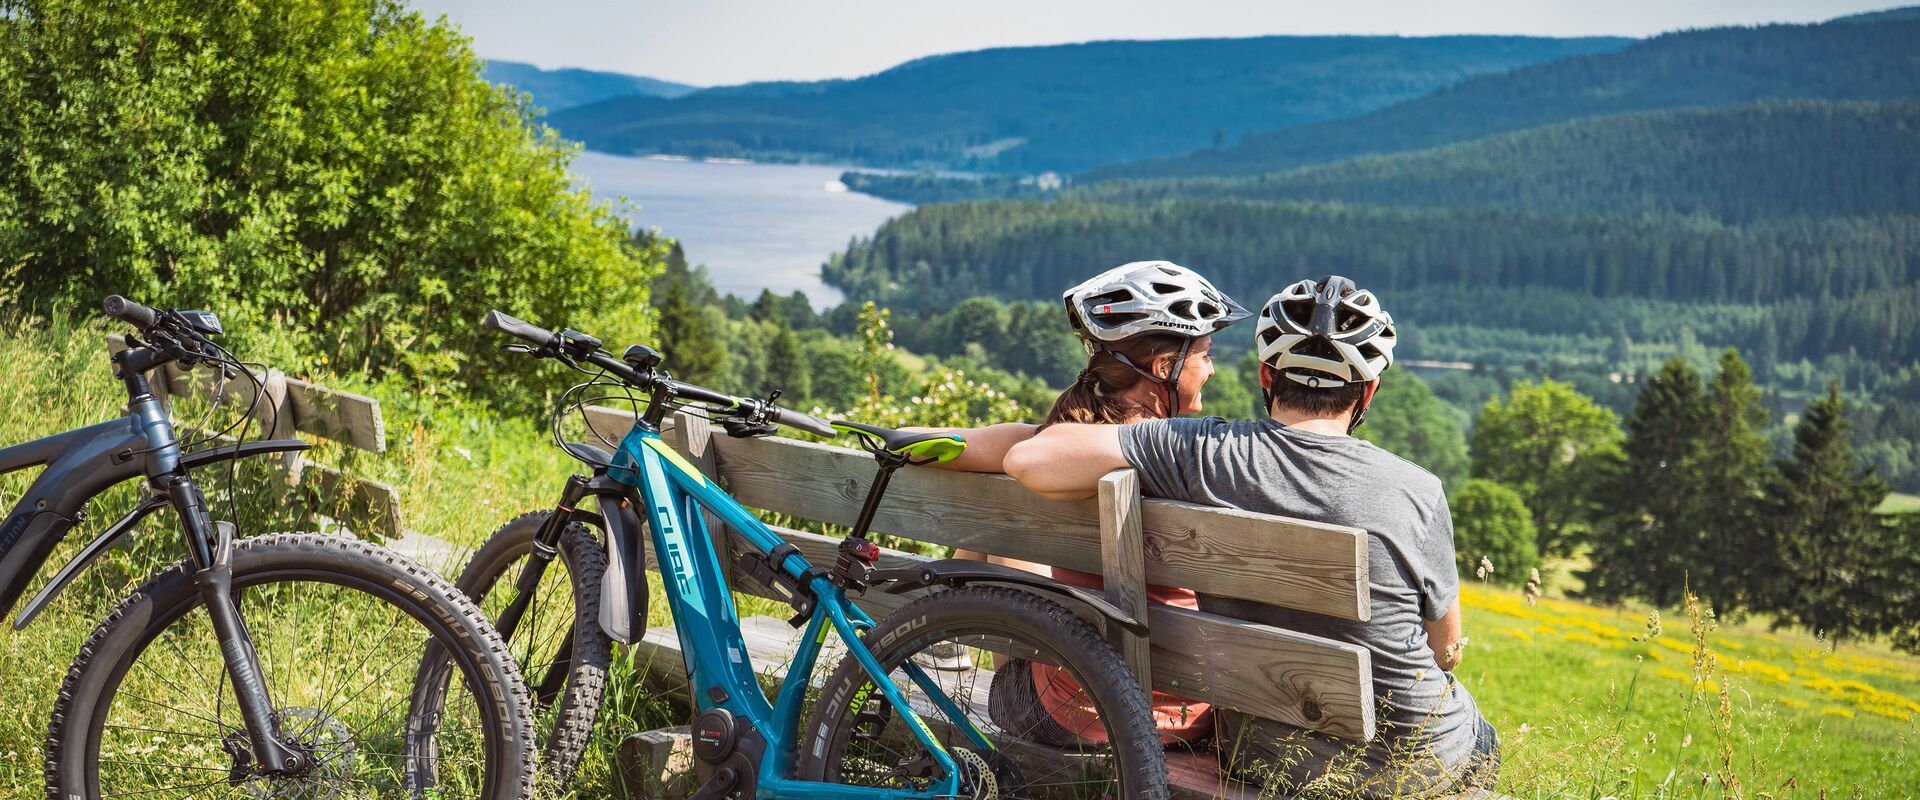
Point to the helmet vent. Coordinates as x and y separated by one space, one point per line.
1166 288
1209 310
1115 296
1182 309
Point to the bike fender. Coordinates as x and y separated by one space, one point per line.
87 554
623 593
960 572
201 458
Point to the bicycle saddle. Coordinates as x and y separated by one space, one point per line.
929 447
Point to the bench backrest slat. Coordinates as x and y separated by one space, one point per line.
1292 563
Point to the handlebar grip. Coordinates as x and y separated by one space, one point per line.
495 320
806 422
130 312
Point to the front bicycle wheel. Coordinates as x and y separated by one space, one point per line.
1098 740
339 626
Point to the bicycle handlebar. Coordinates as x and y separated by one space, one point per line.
540 337
549 344
130 312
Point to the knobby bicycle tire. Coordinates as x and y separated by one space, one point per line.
565 713
970 613
277 566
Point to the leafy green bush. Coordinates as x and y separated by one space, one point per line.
1490 522
336 169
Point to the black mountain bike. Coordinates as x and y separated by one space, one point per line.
904 715
272 667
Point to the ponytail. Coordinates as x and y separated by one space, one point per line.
1095 396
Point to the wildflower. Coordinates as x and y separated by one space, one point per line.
1486 566
1524 728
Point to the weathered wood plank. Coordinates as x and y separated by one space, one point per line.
345 417
1293 563
1123 566
1302 680
1296 563
693 436
355 502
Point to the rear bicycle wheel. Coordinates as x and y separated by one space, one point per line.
558 644
1109 748
146 709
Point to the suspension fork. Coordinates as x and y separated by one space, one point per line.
546 546
211 548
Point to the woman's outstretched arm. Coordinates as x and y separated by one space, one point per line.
986 447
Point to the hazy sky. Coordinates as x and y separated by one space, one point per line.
713 42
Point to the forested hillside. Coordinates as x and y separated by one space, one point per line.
1737 164
555 89
1065 107
1874 60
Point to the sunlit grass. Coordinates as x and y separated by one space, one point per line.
1898 503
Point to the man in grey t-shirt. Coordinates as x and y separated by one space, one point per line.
1322 346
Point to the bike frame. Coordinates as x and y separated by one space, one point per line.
671 493
82 463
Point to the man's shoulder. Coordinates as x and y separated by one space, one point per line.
1402 472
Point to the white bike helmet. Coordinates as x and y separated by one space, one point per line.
1148 297
1325 335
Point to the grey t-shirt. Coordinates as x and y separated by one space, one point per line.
1266 467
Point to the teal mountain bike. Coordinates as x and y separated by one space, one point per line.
915 708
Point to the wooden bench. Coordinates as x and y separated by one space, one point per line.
1270 672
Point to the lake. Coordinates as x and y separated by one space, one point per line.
754 226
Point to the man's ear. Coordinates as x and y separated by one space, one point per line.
1266 376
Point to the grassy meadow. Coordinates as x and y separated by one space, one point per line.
1591 702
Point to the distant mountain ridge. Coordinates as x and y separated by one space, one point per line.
1063 107
1733 164
1712 67
557 89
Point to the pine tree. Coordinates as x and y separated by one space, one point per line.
1654 501
1832 550
787 367
688 329
1733 472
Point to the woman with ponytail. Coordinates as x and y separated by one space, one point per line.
1148 328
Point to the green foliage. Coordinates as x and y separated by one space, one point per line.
689 326
1839 564
1065 107
1410 421
1490 521
336 169
1654 499
1733 469
1712 67
1738 164
931 187
1551 444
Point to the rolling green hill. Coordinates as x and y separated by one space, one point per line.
1065 107
1736 164
556 89
1863 60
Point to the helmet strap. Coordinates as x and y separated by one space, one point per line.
1360 408
1172 384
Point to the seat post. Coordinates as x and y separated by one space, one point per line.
888 463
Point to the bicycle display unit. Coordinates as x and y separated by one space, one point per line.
884 725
